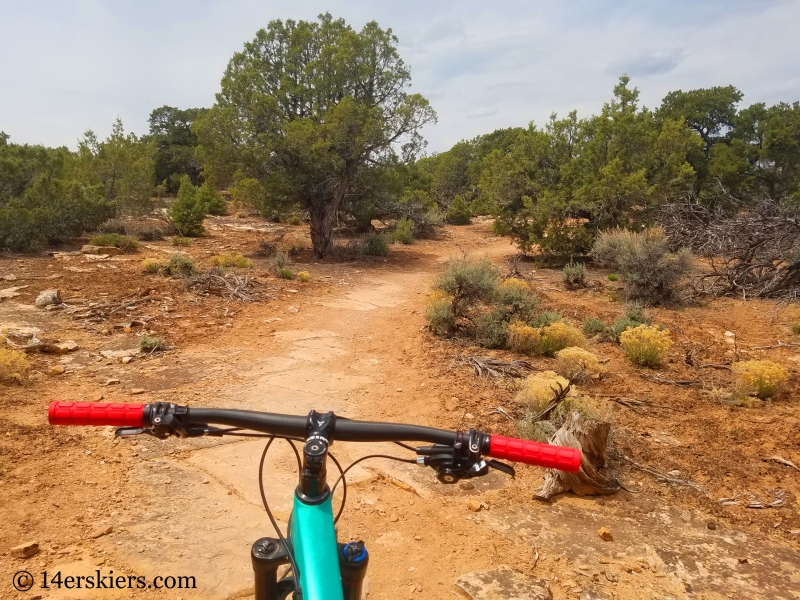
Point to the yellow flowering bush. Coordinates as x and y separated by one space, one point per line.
153 265
572 362
13 366
230 259
537 389
645 345
515 284
303 276
545 340
760 378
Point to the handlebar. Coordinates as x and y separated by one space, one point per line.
151 415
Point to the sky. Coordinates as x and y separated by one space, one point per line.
71 65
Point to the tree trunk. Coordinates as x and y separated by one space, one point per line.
323 216
591 438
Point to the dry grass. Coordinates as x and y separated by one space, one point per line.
14 366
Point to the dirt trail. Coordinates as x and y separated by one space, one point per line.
193 507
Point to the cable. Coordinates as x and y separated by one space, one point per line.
406 446
344 488
266 504
354 463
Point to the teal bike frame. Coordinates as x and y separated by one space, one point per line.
313 538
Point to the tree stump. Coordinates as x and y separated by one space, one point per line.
591 438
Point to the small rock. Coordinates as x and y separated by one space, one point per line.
393 518
60 347
206 481
418 538
743 561
712 525
292 309
399 389
474 505
56 370
112 381
674 473
469 416
107 250
466 485
48 297
25 550
605 534
101 531
126 359
102 561
136 391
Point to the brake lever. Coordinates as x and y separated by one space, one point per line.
197 431
502 467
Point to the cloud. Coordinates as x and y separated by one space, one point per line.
654 62
482 112
443 30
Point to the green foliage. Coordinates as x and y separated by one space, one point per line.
593 326
491 329
149 234
796 329
306 111
175 143
403 231
547 317
574 275
458 212
468 282
279 263
123 242
652 274
633 317
187 211
181 241
515 301
500 228
375 244
179 266
285 273
613 277
441 319
211 199
148 343
538 431
266 248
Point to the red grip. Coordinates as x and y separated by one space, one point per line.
96 413
562 458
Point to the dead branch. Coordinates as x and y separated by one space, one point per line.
226 284
782 461
780 498
559 395
780 344
486 366
657 378
659 475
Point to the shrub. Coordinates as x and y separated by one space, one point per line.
14 366
652 274
123 242
578 363
211 199
491 329
181 241
187 211
279 262
441 319
645 345
266 248
574 275
375 244
403 231
796 329
538 431
633 317
759 378
303 276
538 390
113 226
458 212
179 265
547 317
613 277
523 338
500 228
557 336
153 265
593 326
230 259
149 234
285 273
514 298
149 343
468 282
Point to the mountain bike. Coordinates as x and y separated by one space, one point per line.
317 567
